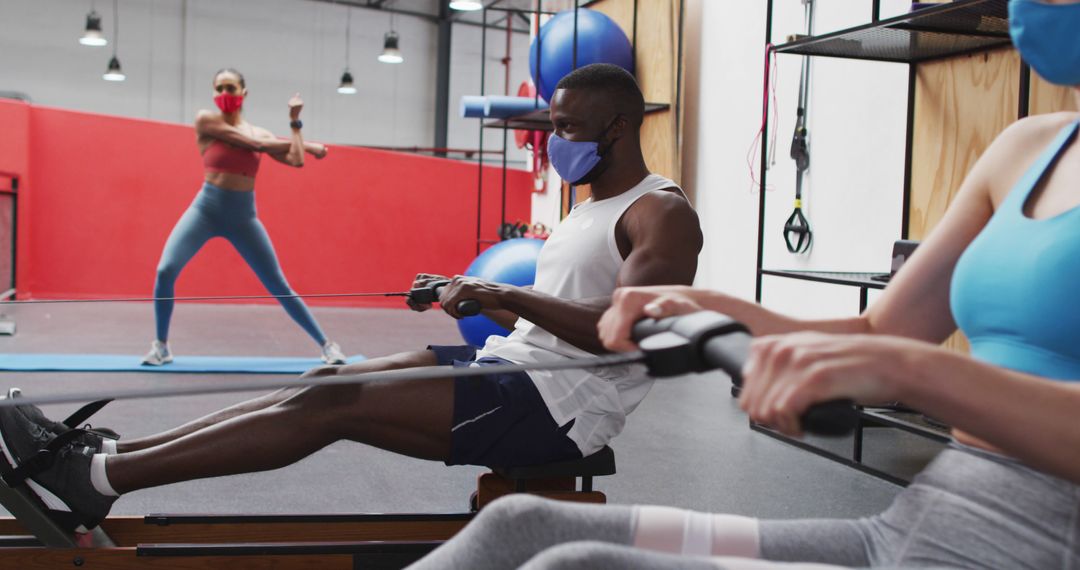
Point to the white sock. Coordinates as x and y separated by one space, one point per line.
98 478
108 446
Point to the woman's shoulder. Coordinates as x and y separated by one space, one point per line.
1041 128
204 117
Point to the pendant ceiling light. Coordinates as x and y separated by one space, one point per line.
92 36
346 86
114 73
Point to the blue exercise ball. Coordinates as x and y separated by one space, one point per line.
513 262
599 39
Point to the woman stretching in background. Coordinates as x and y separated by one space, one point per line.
225 207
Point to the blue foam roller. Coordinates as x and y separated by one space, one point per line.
473 106
503 106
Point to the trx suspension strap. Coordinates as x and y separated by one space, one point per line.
797 233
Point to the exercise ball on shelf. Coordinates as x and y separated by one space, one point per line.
599 39
513 262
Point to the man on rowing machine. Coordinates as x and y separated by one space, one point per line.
637 229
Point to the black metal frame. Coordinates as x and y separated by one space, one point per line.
862 281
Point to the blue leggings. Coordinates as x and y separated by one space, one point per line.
231 215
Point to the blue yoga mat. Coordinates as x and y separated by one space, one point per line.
45 362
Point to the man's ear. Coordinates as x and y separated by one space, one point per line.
619 128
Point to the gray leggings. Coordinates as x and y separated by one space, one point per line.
968 509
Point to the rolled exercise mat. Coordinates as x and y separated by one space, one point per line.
503 106
473 106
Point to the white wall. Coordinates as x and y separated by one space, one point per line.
465 80
170 49
853 191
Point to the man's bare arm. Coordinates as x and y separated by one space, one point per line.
664 240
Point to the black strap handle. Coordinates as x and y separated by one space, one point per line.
718 341
430 294
797 233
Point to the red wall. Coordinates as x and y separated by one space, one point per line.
99 195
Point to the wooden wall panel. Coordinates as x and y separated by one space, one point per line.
657 66
1048 98
961 104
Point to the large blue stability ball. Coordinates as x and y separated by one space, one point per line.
600 40
513 262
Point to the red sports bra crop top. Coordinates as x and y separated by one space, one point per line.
224 157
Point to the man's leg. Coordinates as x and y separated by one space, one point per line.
408 417
392 362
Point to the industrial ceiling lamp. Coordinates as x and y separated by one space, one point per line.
466 5
390 52
346 86
92 36
114 73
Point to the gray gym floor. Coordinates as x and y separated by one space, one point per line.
687 445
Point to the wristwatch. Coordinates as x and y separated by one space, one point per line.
297 124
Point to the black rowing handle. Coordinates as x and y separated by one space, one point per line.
430 294
719 341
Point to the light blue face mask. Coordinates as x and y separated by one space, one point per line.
1048 38
574 160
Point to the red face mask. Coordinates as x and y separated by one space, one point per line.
229 103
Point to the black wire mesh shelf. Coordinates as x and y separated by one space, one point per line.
541 120
834 277
911 422
960 27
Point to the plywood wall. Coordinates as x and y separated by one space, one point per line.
1049 98
961 104
657 67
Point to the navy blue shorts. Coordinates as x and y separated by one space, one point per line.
500 420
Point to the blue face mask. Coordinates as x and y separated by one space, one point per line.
574 160
1048 38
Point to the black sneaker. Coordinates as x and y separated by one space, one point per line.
63 488
92 438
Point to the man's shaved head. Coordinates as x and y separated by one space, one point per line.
618 86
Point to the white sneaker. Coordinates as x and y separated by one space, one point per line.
331 353
159 354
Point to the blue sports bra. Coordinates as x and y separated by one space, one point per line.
1014 290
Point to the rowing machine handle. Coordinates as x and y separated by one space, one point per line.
726 345
430 294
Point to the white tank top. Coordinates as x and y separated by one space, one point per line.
580 261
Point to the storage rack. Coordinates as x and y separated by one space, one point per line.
952 29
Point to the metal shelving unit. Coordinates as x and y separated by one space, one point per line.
957 28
